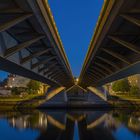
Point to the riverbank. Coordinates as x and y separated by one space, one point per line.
125 102
31 101
36 101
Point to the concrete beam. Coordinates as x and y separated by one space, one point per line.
14 21
103 67
134 11
48 68
131 19
109 62
23 45
36 54
91 78
116 55
11 67
56 74
126 44
42 62
99 70
95 74
11 11
122 73
51 72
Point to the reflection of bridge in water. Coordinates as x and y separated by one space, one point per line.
61 125
30 46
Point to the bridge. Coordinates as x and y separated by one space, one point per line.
30 45
114 51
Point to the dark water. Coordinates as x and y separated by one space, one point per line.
70 125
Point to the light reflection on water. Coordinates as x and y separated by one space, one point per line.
74 125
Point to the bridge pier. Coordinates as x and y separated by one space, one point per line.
55 97
101 92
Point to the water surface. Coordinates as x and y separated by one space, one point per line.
70 125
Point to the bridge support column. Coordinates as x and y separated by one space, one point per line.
101 92
53 92
65 96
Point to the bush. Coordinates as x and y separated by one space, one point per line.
33 86
134 90
121 86
17 90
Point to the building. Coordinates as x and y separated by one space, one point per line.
134 80
16 81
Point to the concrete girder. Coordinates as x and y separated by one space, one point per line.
23 45
16 69
99 70
58 75
134 11
48 67
13 22
56 72
36 54
108 62
42 62
95 74
51 70
11 11
131 19
116 55
91 78
126 44
103 67
125 72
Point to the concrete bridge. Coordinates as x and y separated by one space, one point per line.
30 45
114 51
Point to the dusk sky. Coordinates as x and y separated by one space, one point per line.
75 20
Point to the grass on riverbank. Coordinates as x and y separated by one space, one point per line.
128 97
17 98
14 102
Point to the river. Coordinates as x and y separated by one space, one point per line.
70 125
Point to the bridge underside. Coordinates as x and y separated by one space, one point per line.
29 43
114 51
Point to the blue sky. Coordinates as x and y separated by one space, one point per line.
3 75
75 20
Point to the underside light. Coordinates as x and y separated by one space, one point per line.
76 80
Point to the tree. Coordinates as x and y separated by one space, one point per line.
121 86
17 90
33 86
134 90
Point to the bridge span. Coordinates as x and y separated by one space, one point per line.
114 50
30 45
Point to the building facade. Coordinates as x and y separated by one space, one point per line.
16 81
134 80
